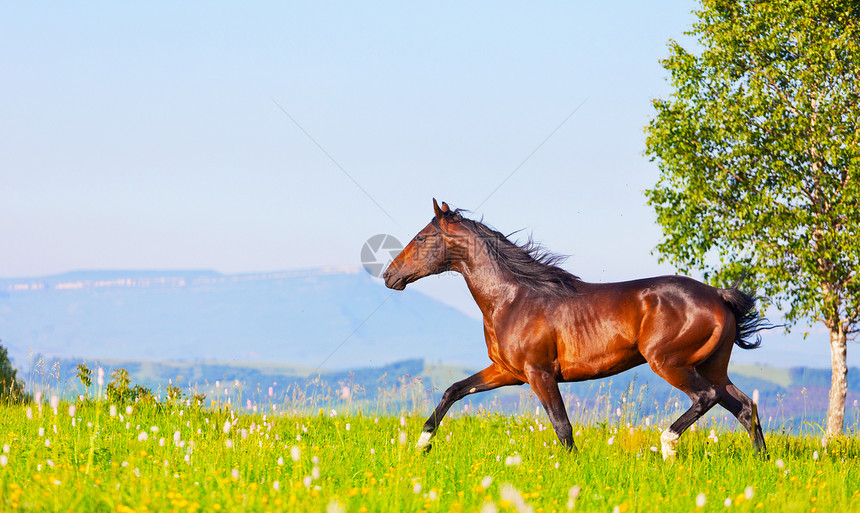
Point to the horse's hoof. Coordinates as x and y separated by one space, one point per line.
424 444
669 443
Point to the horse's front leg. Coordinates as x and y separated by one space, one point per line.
488 379
545 386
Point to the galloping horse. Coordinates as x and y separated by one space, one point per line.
543 325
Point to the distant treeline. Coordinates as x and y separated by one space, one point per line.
409 382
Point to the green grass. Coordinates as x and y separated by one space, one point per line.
781 377
478 463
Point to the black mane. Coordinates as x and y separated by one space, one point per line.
530 264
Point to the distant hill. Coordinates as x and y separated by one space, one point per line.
330 318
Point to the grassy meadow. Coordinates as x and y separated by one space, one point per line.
91 455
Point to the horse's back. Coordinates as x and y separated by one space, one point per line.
612 327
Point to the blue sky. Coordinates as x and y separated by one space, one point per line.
150 136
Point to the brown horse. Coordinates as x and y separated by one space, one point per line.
543 325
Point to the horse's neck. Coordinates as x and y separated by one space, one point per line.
488 284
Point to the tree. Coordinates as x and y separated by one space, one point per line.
11 388
759 161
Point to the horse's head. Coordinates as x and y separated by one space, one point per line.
429 252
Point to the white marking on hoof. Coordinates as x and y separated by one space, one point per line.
472 390
424 440
669 441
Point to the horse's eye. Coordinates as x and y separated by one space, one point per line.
419 238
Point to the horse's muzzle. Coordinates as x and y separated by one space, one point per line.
392 281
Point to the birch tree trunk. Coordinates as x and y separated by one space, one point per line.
838 380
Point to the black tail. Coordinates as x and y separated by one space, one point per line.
749 321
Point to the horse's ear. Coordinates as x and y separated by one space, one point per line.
440 211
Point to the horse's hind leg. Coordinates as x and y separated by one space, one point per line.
747 414
703 394
545 387
488 379
732 399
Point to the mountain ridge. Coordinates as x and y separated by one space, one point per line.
337 316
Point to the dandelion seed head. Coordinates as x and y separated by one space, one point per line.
334 507
513 460
235 474
488 507
4 460
749 493
728 502
701 499
277 484
295 453
486 482
780 464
